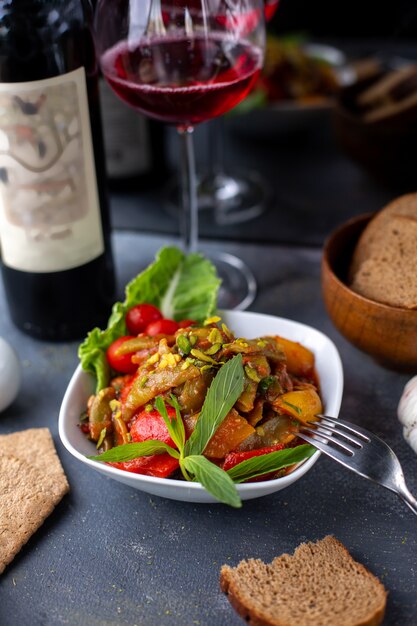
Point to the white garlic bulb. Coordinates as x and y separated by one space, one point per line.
10 374
407 412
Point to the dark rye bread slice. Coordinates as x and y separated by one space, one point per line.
32 482
389 273
319 585
374 232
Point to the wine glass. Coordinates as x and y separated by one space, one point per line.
233 196
270 7
184 62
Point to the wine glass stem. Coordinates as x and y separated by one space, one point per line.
189 213
216 146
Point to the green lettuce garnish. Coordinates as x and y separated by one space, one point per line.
181 286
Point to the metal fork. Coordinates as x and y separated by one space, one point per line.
360 451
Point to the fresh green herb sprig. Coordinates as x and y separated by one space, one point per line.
224 391
268 463
130 451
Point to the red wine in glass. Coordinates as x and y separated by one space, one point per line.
270 8
184 62
199 78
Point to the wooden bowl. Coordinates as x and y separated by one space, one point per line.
386 149
387 333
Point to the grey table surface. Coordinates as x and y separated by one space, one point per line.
110 555
312 185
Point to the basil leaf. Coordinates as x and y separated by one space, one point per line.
222 394
130 451
270 462
173 425
213 479
179 423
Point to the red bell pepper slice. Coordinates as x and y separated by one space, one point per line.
234 458
159 465
151 425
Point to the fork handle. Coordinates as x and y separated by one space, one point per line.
408 498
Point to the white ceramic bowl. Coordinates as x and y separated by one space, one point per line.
243 324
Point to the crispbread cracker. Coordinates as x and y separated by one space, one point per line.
36 446
32 482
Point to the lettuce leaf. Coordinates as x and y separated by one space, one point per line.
182 287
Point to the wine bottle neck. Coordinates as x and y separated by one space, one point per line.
45 38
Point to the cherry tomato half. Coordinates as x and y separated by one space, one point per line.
164 327
120 362
139 316
186 323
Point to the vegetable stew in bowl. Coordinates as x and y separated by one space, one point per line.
277 429
191 404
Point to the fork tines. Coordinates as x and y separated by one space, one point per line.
335 432
335 422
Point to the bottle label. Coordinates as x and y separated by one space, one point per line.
49 205
126 136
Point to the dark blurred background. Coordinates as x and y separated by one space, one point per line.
348 18
313 179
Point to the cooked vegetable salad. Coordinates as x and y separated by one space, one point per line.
179 396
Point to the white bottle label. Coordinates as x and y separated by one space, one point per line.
49 206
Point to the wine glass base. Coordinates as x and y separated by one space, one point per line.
238 287
231 198
238 197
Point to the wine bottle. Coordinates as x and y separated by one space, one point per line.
134 145
57 264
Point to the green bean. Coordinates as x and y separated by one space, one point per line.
99 414
158 382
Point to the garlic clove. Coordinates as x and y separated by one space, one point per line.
10 374
411 438
407 412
